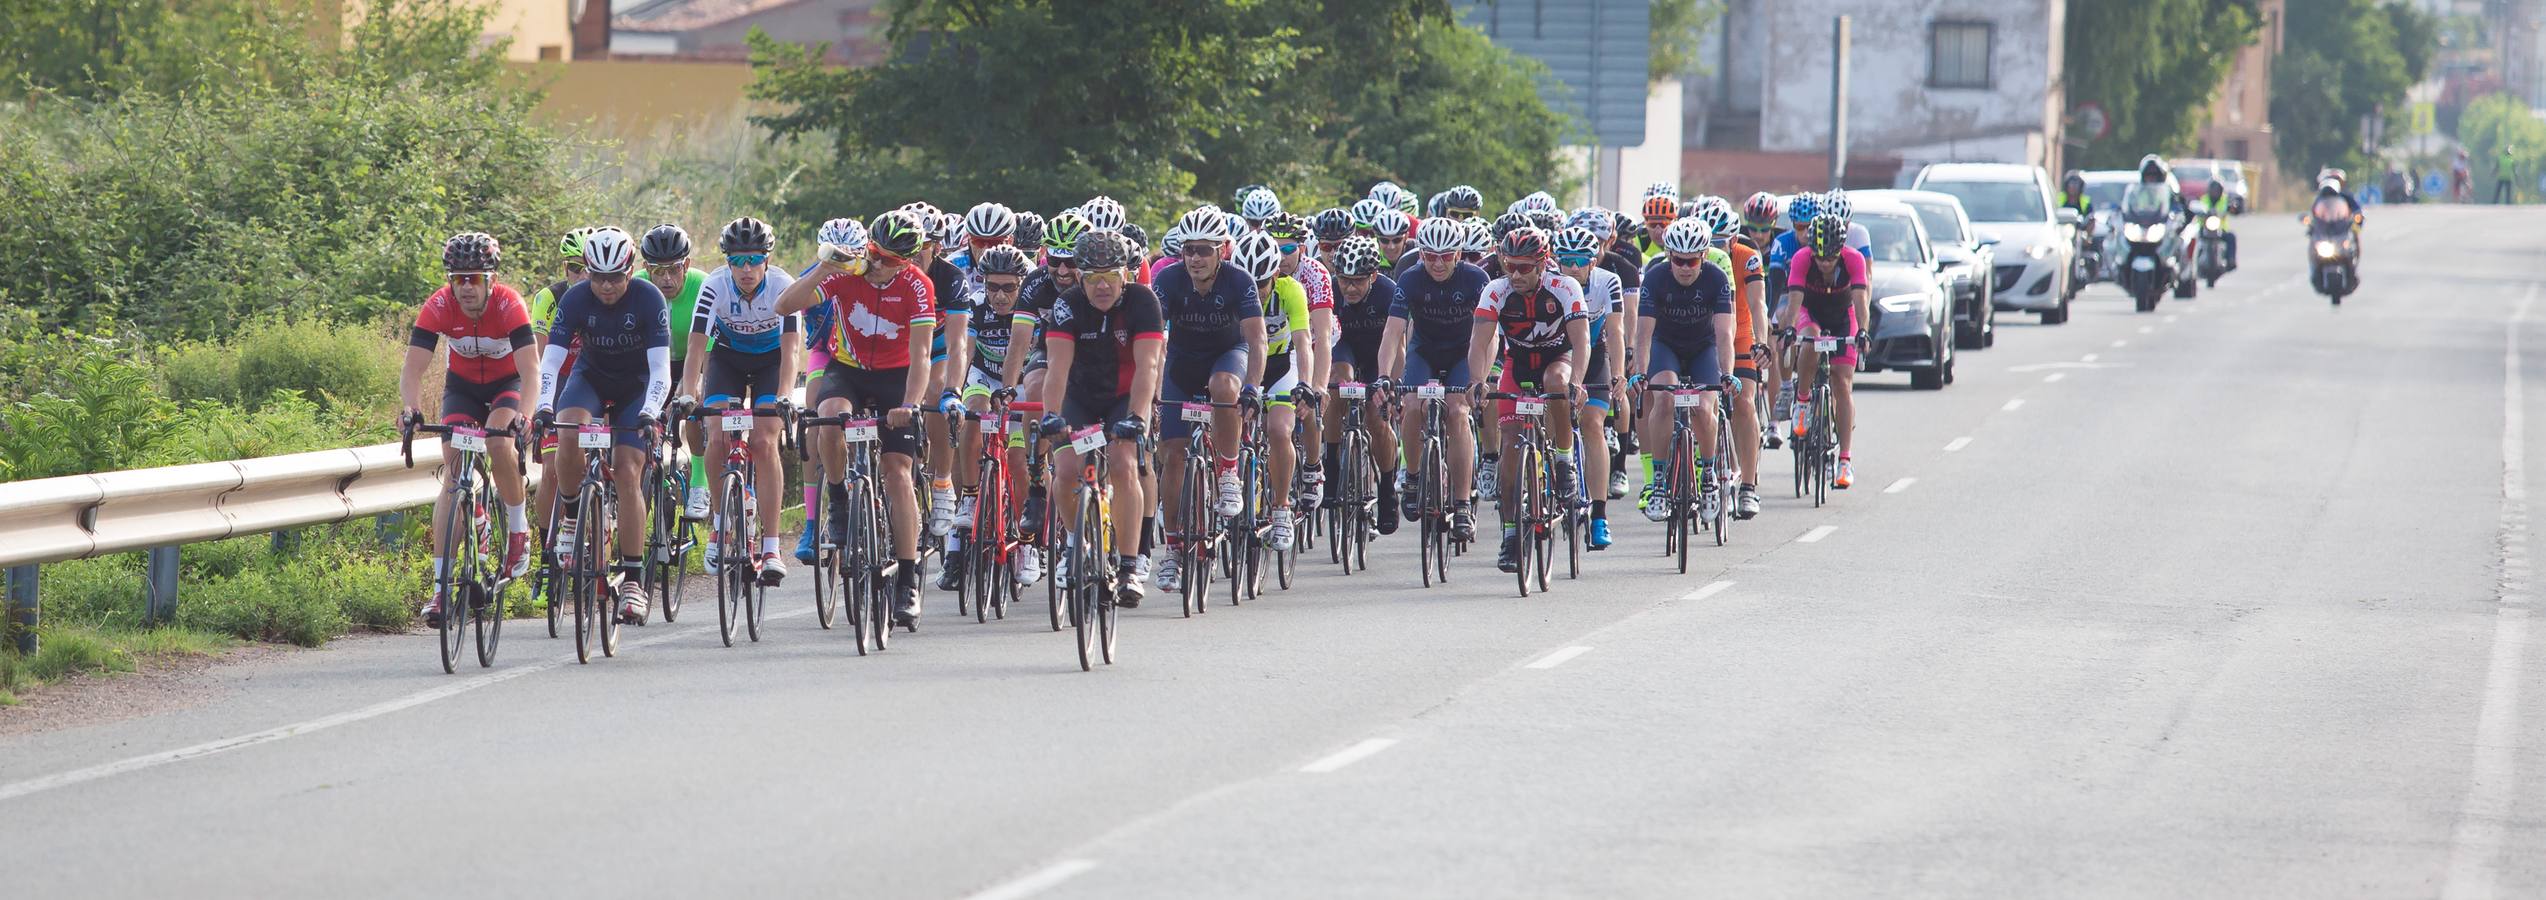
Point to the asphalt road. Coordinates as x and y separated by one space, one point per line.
2229 599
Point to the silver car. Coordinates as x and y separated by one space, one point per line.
1968 262
2036 240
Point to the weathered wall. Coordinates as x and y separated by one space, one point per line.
1889 102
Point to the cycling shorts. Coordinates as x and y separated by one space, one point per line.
1597 373
622 409
1421 369
466 402
871 392
1189 381
1694 366
733 374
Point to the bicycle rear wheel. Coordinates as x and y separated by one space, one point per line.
601 542
1682 481
826 560
731 577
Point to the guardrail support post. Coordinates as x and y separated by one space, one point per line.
23 609
162 586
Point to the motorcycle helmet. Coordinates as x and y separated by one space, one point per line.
2152 169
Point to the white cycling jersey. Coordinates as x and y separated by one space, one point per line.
746 324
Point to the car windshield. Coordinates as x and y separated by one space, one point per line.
1996 201
1895 239
2106 194
1940 221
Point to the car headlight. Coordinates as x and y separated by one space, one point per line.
2211 223
1901 303
2038 251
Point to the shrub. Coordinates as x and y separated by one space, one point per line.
221 559
200 370
69 651
332 364
255 606
108 414
96 593
371 592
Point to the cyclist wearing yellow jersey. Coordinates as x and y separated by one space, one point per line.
1286 360
543 313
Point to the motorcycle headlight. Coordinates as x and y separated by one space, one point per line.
2327 250
2037 251
2211 223
2131 231
1901 303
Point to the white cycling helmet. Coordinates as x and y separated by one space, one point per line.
1662 189
609 251
990 220
841 233
1440 234
1259 205
1366 211
1391 224
1598 219
1835 203
1718 214
1204 223
1578 241
1687 237
1480 236
1539 201
1385 192
1259 256
1103 214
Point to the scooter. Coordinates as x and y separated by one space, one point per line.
2214 250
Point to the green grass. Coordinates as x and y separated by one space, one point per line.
67 650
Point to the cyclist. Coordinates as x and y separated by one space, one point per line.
819 332
1535 323
1287 371
1300 264
1105 338
665 251
752 364
946 356
1363 298
886 315
1001 270
1577 254
1826 293
1216 340
1429 327
1750 290
622 375
1688 314
486 323
543 313
1616 258
1660 210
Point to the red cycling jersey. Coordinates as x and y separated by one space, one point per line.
873 323
481 347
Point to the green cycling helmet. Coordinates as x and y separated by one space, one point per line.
1061 235
571 248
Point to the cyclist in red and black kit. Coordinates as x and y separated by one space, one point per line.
1827 293
486 323
1540 318
884 311
1107 342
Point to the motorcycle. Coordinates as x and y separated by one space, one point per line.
2214 250
2332 253
2095 233
2148 266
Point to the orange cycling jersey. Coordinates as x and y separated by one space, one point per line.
1747 270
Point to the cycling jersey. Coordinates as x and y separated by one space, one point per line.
1319 283
1684 314
990 337
1534 323
1746 270
1782 255
947 281
1286 315
684 304
743 324
1630 272
621 344
1101 366
1439 314
1830 303
1359 326
481 347
1601 295
1200 323
873 323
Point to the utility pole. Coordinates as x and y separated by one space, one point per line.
1838 102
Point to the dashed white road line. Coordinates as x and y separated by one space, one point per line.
2148 329
1816 534
2484 817
2055 376
1957 443
1558 658
1707 591
2013 405
2118 343
2170 318
1349 755
2087 358
1899 486
1037 881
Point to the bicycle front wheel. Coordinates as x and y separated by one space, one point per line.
599 541
732 578
459 552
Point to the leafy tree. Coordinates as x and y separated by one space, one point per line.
2342 60
2154 67
1678 32
1053 103
2495 121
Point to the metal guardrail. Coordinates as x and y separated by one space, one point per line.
85 516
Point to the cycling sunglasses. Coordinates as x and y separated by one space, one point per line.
1572 261
997 288
470 278
1115 277
1686 262
747 260
1521 268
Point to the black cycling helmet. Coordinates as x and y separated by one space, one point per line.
1829 236
1138 236
897 233
664 243
1508 223
745 235
471 251
1545 221
1003 259
1623 226
1029 231
1286 227
1462 202
1332 226
1101 250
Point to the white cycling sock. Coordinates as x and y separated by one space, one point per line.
515 518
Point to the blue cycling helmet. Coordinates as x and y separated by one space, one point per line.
1803 209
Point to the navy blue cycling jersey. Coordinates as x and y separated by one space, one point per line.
1206 323
1439 314
1684 314
1367 320
615 335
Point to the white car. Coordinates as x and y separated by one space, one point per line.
2036 239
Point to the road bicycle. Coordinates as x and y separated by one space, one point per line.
864 556
473 581
990 546
587 572
1092 580
1816 451
1432 499
669 537
1198 536
1535 508
1354 485
1688 479
742 589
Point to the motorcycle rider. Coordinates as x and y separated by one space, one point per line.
2215 203
2089 250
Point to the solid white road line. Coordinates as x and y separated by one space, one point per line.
1349 755
322 723
1957 444
1558 658
2055 376
2475 845
1707 591
2013 405
1899 486
1816 534
1037 881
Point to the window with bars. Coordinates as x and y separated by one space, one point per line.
1958 54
